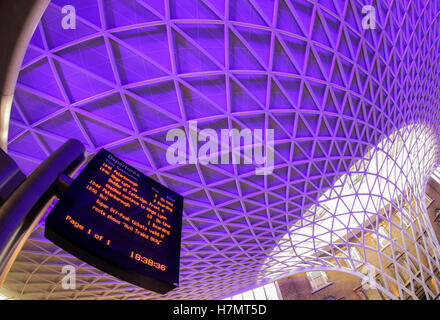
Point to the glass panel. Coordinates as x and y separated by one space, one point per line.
271 292
248 295
317 279
383 235
267 292
259 293
355 256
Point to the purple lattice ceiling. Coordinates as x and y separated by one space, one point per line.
133 70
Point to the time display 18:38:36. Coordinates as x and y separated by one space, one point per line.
147 261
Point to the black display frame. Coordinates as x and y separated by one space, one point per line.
97 254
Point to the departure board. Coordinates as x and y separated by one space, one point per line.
122 222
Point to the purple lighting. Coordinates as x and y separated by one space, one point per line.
333 92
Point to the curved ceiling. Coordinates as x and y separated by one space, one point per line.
133 70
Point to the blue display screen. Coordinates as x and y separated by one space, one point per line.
124 223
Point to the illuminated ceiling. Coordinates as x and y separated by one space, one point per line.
133 70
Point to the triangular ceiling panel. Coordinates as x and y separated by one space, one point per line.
243 10
128 12
54 33
190 57
64 125
111 108
240 56
151 42
92 56
287 20
41 70
41 108
162 95
132 67
190 9
100 133
73 80
259 41
210 37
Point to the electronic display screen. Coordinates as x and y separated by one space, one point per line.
124 223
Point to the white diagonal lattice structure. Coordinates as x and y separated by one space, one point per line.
380 197
355 114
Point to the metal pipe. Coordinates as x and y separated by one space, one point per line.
18 21
23 209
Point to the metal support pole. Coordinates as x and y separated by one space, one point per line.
23 209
